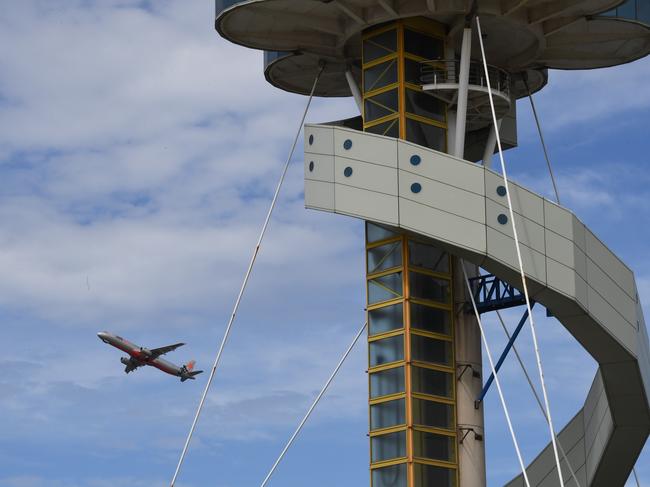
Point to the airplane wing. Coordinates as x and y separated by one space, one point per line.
157 352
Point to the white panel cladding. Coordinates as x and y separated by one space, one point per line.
453 209
596 390
442 167
598 424
442 225
365 147
319 195
319 167
365 175
611 320
524 202
643 349
442 197
566 252
597 448
366 204
319 139
610 292
564 279
542 471
610 264
502 248
529 232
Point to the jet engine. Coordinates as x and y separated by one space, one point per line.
125 360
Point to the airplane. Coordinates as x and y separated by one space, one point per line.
139 356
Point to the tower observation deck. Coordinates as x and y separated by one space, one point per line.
428 99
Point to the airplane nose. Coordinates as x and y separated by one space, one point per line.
102 335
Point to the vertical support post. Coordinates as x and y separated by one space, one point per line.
463 84
490 145
469 363
354 89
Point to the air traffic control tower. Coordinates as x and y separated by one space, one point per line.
415 166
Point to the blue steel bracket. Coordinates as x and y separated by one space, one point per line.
492 294
502 359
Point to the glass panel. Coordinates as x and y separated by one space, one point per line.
385 319
428 257
423 45
387 414
380 105
384 257
427 349
434 446
412 72
380 75
425 105
388 447
433 414
380 45
430 476
386 350
426 135
433 382
427 287
643 11
385 288
393 476
430 319
389 129
387 382
627 10
375 233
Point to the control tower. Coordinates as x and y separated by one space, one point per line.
415 165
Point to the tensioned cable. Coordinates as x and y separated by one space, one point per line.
496 376
541 136
521 264
536 395
313 405
245 282
635 477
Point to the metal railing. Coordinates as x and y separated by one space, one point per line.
447 71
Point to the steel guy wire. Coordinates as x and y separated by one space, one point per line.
536 395
521 264
245 282
313 406
541 137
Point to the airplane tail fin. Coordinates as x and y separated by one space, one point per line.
188 372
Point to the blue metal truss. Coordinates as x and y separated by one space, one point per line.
492 294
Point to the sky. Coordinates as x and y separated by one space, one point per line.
139 152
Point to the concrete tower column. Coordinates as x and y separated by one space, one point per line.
469 363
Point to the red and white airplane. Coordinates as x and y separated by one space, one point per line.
139 356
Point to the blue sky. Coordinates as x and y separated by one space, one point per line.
138 154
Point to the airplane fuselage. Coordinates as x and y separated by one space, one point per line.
139 356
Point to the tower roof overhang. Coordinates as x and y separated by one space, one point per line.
522 36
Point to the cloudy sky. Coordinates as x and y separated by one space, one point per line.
138 155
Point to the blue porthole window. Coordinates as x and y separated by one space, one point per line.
501 190
347 145
311 139
311 166
502 219
415 160
416 187
347 172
